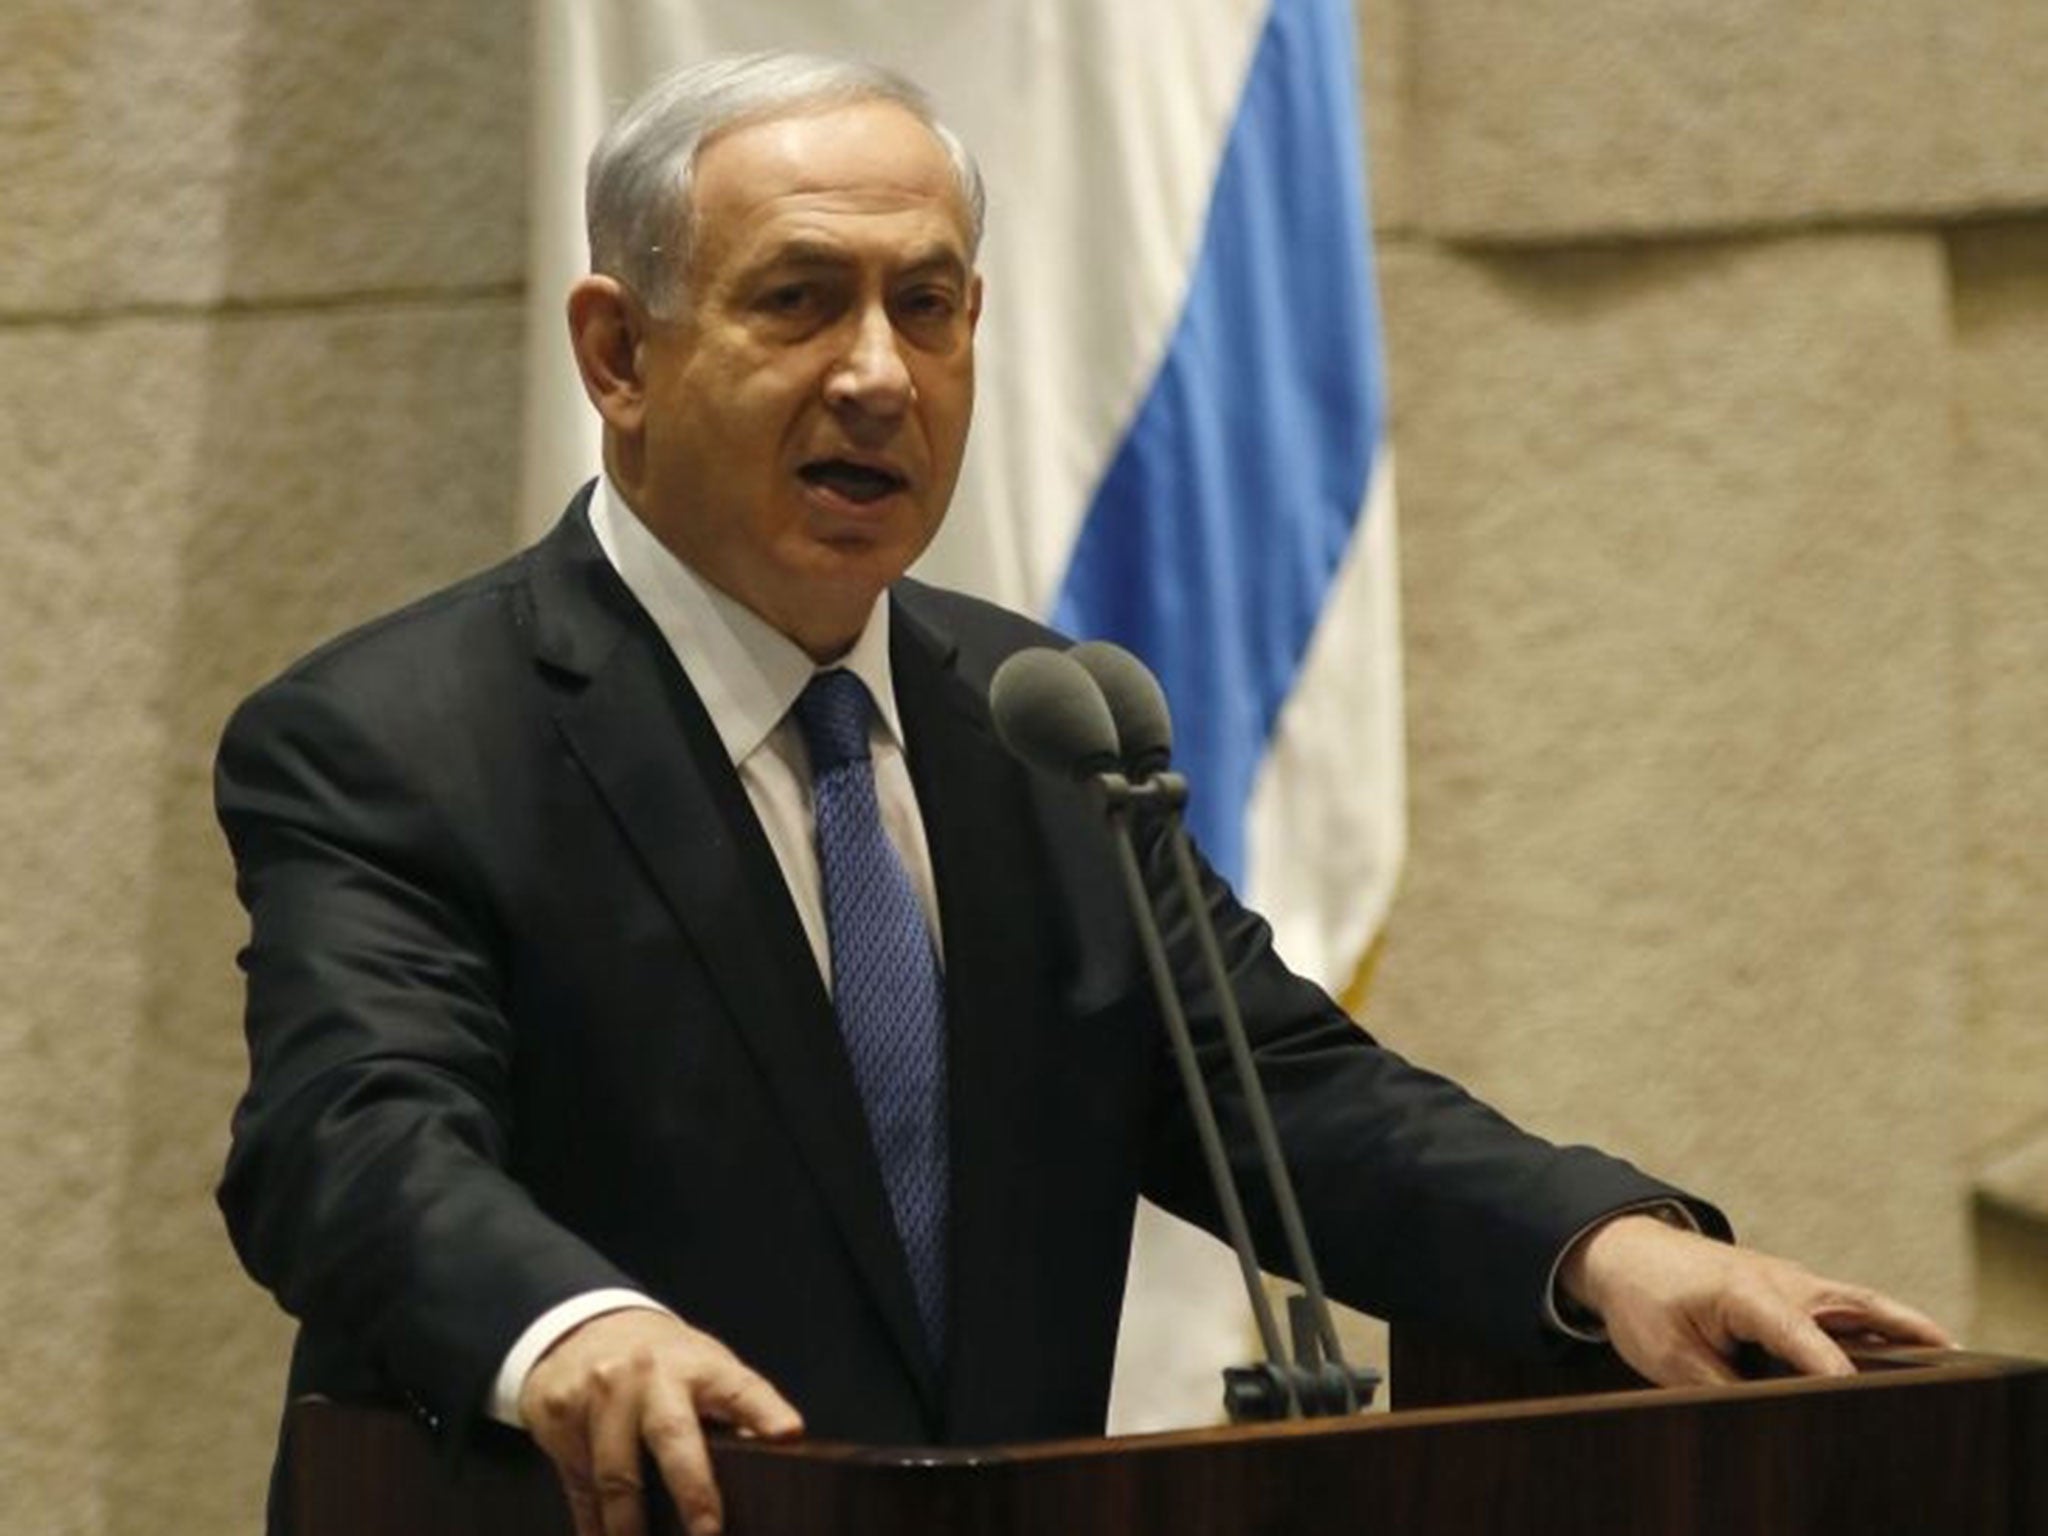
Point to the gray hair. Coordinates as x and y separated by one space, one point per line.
638 186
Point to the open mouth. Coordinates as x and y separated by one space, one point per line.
857 483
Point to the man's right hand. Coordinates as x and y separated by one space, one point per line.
639 1377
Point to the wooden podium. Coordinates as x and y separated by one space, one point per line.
1923 1441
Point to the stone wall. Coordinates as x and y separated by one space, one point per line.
260 274
1717 340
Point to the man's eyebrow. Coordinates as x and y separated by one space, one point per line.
939 257
803 253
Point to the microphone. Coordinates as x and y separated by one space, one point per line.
1079 716
1050 713
1144 726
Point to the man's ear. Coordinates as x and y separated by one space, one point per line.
605 327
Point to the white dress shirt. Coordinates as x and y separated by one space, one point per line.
748 675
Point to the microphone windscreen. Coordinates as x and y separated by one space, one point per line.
1050 713
1144 725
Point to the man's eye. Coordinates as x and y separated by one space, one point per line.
930 304
788 298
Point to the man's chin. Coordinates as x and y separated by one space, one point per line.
875 553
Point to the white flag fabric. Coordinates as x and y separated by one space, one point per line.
1179 440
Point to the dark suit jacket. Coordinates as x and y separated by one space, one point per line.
530 1012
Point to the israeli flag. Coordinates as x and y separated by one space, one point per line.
1179 439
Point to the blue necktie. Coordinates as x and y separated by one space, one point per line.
887 993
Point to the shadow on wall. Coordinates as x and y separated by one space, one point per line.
2012 1248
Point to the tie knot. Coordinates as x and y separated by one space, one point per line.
832 712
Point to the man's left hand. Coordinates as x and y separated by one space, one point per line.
1676 1305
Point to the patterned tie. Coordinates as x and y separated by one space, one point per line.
887 993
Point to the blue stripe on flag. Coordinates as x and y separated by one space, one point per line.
1217 529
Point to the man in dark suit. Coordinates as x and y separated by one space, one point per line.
563 1101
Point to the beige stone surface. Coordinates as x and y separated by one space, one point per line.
1566 118
203 500
82 609
178 152
2000 276
1991 146
1383 68
1676 581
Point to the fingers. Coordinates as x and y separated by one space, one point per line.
593 1438
1868 1312
554 1422
1802 1318
744 1400
1795 1338
632 1379
585 1513
1691 1361
675 1435
1771 1303
728 1393
1677 1305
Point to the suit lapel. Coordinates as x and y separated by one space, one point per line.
640 732
966 791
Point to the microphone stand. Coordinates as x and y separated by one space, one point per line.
1315 1380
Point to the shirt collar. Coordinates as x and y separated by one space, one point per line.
746 672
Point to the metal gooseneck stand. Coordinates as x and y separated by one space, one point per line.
1098 716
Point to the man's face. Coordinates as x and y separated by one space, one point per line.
807 410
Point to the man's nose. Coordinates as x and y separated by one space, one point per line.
871 375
